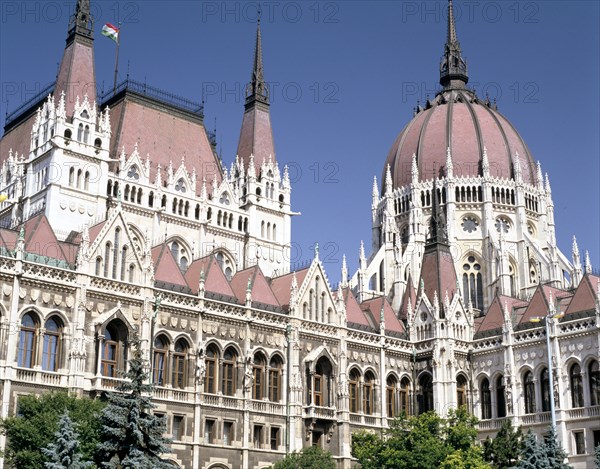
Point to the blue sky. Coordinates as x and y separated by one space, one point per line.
345 77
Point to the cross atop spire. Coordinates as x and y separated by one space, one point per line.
81 22
453 68
256 90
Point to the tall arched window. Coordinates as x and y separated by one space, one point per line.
405 396
51 349
353 390
576 386
113 350
161 349
178 368
123 262
473 283
425 396
545 379
275 367
71 176
107 258
27 341
594 376
486 400
461 390
210 378
86 181
98 266
86 134
229 368
321 385
369 393
529 388
391 391
258 375
80 133
116 252
500 397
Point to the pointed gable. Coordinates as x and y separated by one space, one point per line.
165 267
539 304
41 240
282 285
354 313
494 317
373 308
214 278
585 296
260 290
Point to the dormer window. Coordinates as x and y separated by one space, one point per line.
85 114
224 199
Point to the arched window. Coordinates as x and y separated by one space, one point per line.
258 375
391 391
353 390
545 379
425 396
210 378
123 262
86 134
80 133
486 400
473 283
116 252
369 393
71 176
500 397
27 341
229 369
275 367
175 250
106 257
529 388
461 390
178 367
594 376
86 181
51 349
405 398
131 272
78 182
183 263
113 350
321 385
98 266
576 386
161 349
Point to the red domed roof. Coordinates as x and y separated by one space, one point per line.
459 120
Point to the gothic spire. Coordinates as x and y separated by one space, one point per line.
257 90
453 68
81 22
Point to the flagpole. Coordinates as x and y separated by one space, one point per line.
117 60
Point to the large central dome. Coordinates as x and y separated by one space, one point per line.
458 120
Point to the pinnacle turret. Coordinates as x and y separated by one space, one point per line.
453 68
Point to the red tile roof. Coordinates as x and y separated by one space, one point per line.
585 296
374 308
260 289
214 278
282 285
256 137
165 267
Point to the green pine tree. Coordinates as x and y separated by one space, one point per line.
64 451
503 451
533 455
597 458
131 435
555 452
311 457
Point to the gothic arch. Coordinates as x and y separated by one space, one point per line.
104 319
276 355
30 309
187 338
313 357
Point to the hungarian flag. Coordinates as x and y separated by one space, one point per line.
111 32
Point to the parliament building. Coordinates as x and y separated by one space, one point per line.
122 219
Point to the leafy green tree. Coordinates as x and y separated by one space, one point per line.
597 458
37 421
503 451
64 451
132 436
423 442
311 457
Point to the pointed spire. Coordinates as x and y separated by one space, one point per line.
588 263
344 281
81 22
539 176
361 256
548 188
375 193
453 68
449 164
414 169
257 90
485 163
388 181
517 167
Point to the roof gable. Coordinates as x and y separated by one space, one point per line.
165 267
260 290
585 296
214 278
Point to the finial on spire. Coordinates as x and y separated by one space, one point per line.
81 22
453 68
256 90
588 263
